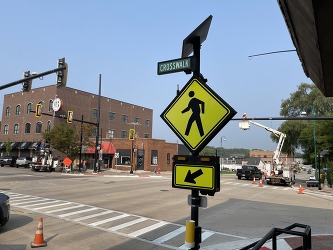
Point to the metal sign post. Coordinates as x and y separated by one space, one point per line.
199 104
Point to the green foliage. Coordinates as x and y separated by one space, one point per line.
66 137
309 101
8 147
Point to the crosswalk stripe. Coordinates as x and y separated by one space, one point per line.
56 205
27 202
147 229
108 220
170 235
205 235
42 203
127 224
78 212
63 209
93 216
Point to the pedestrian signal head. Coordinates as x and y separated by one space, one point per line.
69 116
38 110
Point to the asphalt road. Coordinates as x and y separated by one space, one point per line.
118 211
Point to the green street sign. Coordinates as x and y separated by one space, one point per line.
176 65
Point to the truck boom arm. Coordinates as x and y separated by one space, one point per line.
246 125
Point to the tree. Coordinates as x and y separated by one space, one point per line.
308 100
66 137
8 147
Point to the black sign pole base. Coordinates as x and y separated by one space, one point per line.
195 203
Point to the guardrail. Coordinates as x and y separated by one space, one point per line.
274 232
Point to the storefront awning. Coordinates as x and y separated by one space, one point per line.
23 145
106 146
13 145
34 145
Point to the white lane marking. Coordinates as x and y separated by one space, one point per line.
170 235
78 212
127 224
56 205
147 229
63 209
34 200
109 220
93 216
42 203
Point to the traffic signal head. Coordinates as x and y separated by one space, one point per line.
26 87
38 110
131 135
69 116
62 74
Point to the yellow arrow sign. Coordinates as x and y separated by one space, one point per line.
197 114
194 177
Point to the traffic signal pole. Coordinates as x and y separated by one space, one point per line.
195 198
32 77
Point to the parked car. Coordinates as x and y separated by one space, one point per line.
8 160
23 162
4 209
311 178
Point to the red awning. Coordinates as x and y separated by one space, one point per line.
106 146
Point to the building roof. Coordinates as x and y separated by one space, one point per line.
310 25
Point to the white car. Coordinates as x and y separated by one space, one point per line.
312 178
23 161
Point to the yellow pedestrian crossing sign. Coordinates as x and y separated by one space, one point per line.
197 114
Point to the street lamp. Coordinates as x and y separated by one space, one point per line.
322 154
223 138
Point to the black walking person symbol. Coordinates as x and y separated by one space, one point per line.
194 105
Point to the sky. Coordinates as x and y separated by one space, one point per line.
124 40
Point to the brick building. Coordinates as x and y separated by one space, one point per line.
20 126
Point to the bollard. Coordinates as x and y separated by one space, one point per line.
190 234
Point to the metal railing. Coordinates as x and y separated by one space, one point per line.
274 232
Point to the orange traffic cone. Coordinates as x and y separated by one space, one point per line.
260 183
254 180
300 190
39 237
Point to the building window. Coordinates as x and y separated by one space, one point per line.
146 135
27 128
6 129
51 105
16 129
124 118
123 134
29 108
38 127
154 154
125 160
8 111
18 110
111 133
168 158
147 123
112 116
136 120
94 113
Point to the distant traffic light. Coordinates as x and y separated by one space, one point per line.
69 116
26 87
38 110
131 134
62 74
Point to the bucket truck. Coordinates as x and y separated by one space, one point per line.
279 175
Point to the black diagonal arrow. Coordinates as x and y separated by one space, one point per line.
191 176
